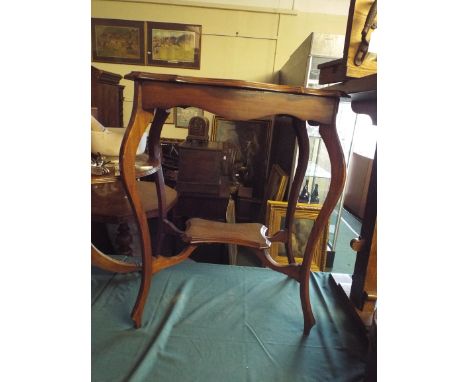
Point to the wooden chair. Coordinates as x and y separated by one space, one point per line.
110 205
154 94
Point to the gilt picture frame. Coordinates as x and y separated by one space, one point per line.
276 185
118 41
304 219
173 45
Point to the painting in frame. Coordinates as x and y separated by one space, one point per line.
276 185
304 219
249 142
183 115
174 45
118 41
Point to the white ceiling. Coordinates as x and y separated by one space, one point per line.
335 7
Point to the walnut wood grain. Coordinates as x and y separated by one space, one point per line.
208 231
234 100
139 120
229 83
338 176
300 130
107 97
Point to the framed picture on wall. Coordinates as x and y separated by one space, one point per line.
249 145
183 115
117 41
173 45
304 219
276 185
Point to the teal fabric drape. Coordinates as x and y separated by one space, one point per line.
207 322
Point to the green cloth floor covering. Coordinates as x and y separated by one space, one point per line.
207 322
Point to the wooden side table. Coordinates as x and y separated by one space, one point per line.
234 100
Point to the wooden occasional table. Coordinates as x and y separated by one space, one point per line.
154 94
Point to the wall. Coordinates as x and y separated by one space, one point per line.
247 45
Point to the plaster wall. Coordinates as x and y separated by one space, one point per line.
238 44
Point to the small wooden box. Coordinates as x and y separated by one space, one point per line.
200 168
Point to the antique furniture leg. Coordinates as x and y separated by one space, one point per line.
338 176
137 126
138 123
300 129
236 100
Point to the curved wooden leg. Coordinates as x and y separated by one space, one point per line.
138 122
137 312
300 129
338 175
162 262
158 264
309 319
294 271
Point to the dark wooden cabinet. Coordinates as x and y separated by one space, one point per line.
200 168
203 193
203 190
107 97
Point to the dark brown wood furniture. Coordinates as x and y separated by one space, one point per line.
361 16
154 94
363 92
110 205
362 295
206 206
356 74
200 168
107 97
